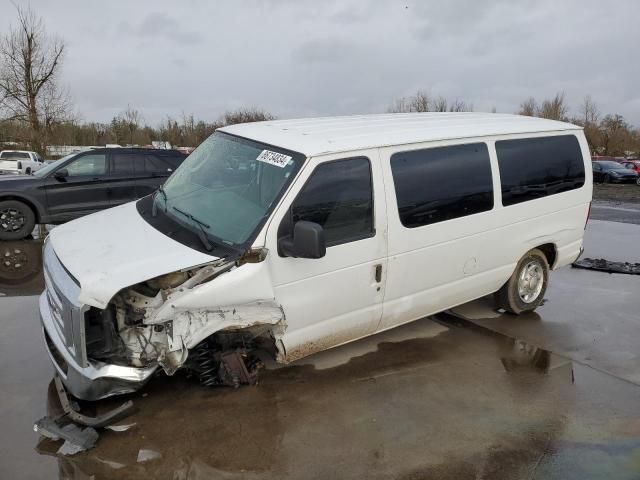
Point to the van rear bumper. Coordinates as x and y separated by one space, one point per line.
94 381
568 254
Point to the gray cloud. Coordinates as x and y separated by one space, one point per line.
304 57
161 25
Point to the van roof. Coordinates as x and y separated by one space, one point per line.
316 136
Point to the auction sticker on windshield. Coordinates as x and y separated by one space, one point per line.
274 158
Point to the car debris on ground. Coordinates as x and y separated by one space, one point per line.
602 265
79 431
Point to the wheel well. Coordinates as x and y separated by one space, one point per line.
549 250
26 202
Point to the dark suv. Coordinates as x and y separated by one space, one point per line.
79 184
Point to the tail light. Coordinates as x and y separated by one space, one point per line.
588 215
19 165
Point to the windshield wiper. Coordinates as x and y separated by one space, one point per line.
202 234
154 208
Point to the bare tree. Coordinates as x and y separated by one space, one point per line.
555 108
588 119
423 102
616 135
30 61
440 104
589 111
245 115
529 107
132 118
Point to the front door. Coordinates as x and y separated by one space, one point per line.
337 298
82 191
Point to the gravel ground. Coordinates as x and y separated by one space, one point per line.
629 193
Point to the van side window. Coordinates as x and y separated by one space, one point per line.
339 197
532 168
438 184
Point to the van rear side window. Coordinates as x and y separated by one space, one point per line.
437 184
532 168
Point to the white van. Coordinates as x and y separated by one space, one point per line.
295 236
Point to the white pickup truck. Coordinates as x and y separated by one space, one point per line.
18 162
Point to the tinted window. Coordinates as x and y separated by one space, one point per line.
92 164
532 168
174 160
609 165
15 155
437 184
125 163
153 164
338 196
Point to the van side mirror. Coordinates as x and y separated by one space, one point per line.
61 174
307 241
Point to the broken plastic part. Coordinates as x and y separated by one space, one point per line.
76 439
103 420
602 265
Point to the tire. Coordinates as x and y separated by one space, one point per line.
606 179
522 292
638 181
28 171
17 220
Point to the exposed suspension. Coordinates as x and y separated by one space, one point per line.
232 366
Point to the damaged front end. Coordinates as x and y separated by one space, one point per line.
154 324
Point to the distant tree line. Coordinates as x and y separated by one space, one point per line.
608 135
129 128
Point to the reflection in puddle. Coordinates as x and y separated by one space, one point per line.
21 268
402 408
526 356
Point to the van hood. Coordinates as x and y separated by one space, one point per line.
113 249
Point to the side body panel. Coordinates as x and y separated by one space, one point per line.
438 266
334 299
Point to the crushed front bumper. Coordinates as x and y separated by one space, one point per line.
94 380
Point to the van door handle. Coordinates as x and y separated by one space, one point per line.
378 273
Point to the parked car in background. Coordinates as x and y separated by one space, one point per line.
16 162
632 164
79 184
608 171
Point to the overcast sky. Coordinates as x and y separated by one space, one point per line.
307 58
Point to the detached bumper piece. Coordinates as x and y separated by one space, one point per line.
602 265
68 426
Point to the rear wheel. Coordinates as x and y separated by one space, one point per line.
525 290
16 220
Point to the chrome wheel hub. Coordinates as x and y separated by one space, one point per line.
11 220
530 282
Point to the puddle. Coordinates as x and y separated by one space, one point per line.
455 405
428 400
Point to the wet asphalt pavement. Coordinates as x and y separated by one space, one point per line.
472 393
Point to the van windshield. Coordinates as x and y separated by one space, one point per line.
226 188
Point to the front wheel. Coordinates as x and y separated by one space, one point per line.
16 220
525 290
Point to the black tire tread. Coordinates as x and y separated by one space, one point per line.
507 297
30 220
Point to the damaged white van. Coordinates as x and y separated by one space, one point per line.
295 236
